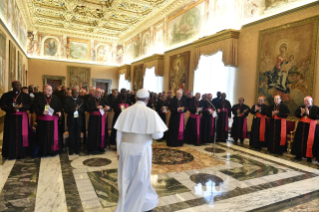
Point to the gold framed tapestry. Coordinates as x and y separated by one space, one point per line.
79 76
79 49
178 72
12 64
20 68
138 77
286 61
2 62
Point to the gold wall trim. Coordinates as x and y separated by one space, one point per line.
288 12
124 67
150 58
216 38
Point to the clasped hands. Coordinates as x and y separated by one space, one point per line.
180 108
104 108
304 110
275 112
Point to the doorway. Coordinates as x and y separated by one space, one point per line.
104 84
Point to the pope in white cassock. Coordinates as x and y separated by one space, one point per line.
136 127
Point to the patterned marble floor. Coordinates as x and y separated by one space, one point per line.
187 179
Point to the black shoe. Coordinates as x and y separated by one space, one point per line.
77 152
71 152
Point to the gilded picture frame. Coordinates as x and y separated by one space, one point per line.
286 62
138 79
79 76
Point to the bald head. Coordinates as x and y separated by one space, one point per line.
98 93
308 101
179 94
241 100
92 91
47 90
261 100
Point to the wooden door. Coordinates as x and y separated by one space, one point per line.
103 85
54 83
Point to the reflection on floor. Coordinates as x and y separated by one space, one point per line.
187 179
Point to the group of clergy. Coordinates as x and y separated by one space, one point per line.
207 116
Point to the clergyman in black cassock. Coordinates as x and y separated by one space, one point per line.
162 108
97 131
75 108
175 135
277 137
259 127
239 126
16 128
306 137
192 133
207 120
224 113
47 135
120 103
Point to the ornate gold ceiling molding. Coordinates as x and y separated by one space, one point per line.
49 22
84 21
89 11
104 3
45 13
51 4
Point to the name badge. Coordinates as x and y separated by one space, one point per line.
122 107
46 107
76 114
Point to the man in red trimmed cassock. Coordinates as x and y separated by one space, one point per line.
16 125
224 113
277 137
192 133
48 109
306 137
120 104
239 127
97 131
208 119
175 135
259 127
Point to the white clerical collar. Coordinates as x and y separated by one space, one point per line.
140 102
74 99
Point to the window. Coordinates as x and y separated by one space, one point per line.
152 82
212 76
123 83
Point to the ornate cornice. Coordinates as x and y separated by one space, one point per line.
150 58
288 12
125 67
223 35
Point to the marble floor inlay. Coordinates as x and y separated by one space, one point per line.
230 178
20 189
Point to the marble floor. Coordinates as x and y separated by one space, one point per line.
186 179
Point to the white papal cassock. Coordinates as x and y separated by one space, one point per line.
136 127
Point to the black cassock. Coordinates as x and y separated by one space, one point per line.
255 140
274 136
222 121
299 146
159 106
12 135
207 122
117 111
95 140
174 123
45 130
239 126
74 124
192 134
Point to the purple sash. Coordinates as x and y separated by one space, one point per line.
55 119
25 132
226 111
102 126
181 127
245 128
197 117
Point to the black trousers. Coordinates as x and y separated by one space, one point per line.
74 136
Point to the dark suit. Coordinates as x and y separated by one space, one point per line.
74 124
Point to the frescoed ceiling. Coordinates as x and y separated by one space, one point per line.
108 19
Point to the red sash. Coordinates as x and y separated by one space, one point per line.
55 119
283 130
181 127
197 117
102 126
25 132
262 127
245 128
311 134
213 121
